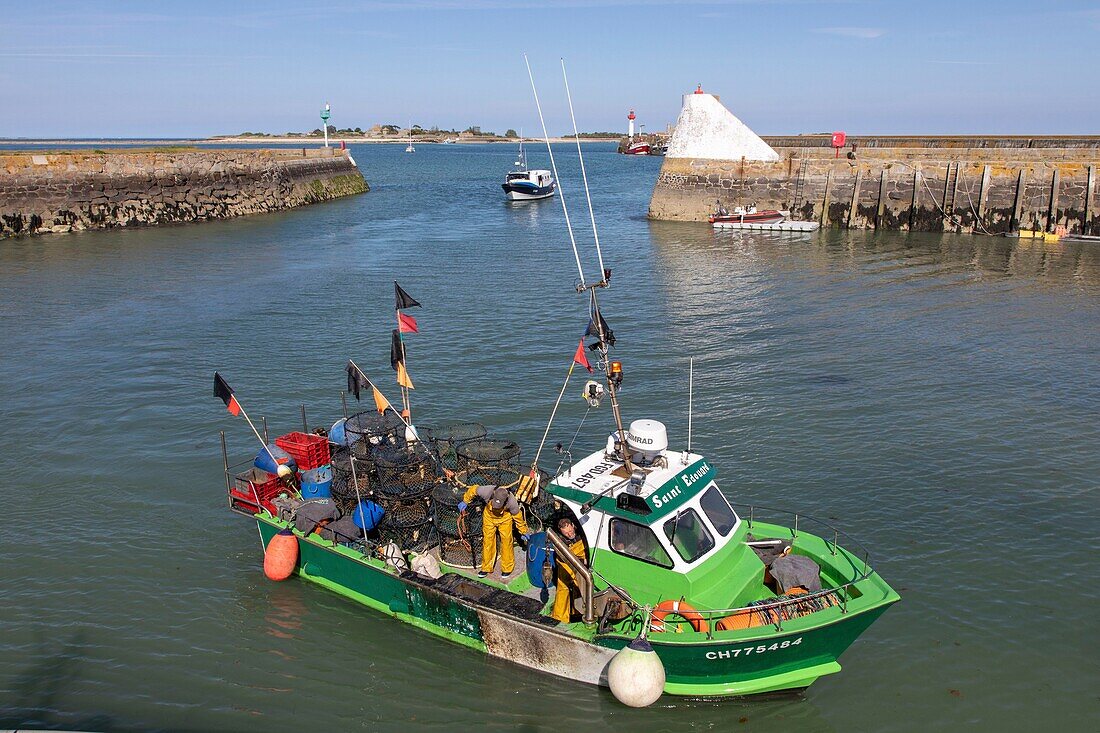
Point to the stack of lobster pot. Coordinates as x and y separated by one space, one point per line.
459 535
405 474
445 440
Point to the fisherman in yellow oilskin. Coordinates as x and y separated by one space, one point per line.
567 590
502 510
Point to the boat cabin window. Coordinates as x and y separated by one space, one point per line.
514 176
638 542
718 510
689 535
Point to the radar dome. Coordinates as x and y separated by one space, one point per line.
647 437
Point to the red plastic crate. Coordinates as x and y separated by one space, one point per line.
253 485
309 451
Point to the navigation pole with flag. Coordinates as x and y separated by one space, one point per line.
223 391
398 356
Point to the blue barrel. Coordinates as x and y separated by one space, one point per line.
317 475
367 515
337 434
264 463
536 555
316 490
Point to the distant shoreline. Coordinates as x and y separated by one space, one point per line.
297 141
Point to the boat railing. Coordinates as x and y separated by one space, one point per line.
776 612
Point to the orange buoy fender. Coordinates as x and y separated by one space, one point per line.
281 556
681 609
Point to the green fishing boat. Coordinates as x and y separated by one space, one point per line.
637 573
673 589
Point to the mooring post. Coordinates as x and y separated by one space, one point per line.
916 199
824 218
983 194
881 198
1086 225
945 208
1017 206
1052 207
855 198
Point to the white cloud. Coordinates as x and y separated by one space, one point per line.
852 31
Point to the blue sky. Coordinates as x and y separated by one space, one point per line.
199 68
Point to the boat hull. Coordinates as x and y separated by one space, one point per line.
718 667
514 192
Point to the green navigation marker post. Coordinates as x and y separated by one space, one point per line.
324 121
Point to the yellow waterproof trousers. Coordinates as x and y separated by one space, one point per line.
491 525
563 599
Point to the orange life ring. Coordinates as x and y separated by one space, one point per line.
677 608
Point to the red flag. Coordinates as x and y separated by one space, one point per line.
406 324
581 358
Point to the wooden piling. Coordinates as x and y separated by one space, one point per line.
983 195
881 198
1052 206
855 198
1017 206
916 197
1086 225
824 218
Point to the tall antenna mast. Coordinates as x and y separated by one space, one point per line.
584 175
561 189
691 385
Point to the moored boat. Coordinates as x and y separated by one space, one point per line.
637 147
522 184
748 217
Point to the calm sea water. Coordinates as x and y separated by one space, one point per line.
938 397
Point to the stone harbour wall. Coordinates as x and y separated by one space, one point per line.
994 189
62 192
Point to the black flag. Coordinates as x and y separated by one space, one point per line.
403 299
355 381
225 392
608 334
397 354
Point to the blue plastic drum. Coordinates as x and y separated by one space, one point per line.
318 475
317 490
367 515
536 555
337 434
264 463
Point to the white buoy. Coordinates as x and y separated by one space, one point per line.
636 675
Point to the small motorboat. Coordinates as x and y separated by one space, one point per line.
522 184
749 217
746 215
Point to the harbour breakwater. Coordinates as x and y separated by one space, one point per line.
73 191
975 184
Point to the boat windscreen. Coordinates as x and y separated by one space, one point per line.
718 510
638 542
689 535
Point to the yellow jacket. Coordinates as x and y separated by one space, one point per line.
510 508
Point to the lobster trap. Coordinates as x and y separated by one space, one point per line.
487 461
445 440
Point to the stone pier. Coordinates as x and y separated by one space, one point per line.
72 191
966 184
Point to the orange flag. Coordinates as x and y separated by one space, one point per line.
403 376
380 400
